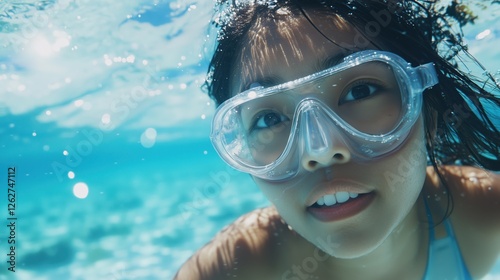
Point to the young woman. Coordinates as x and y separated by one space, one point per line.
336 109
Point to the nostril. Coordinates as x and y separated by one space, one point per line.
312 164
338 156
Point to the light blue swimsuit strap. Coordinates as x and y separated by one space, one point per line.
444 258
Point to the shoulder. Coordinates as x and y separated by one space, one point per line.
476 203
475 192
237 250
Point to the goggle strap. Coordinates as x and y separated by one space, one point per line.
427 75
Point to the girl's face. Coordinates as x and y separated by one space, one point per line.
386 188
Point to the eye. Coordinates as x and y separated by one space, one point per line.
269 119
360 91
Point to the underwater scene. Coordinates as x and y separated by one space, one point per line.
104 137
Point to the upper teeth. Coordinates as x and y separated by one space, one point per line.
332 199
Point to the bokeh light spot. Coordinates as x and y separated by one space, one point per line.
80 190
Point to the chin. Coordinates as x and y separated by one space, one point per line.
354 251
346 244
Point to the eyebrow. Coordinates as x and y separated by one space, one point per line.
267 81
322 64
332 60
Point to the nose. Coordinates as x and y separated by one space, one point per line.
312 163
323 144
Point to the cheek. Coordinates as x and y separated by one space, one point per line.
404 174
278 194
285 197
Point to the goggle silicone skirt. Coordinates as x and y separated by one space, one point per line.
367 104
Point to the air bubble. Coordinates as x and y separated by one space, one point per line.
106 118
473 180
148 138
78 103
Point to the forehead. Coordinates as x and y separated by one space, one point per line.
288 46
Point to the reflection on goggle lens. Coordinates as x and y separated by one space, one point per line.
368 103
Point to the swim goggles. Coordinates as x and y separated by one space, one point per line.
368 104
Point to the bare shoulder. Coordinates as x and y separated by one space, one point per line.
240 251
475 218
475 191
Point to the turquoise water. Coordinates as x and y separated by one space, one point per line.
106 98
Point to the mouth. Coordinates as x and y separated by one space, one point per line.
340 205
333 199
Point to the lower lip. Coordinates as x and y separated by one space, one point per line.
342 211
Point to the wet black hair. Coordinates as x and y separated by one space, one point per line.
458 112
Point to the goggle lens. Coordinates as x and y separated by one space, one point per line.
364 100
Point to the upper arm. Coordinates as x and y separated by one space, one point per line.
239 251
202 265
216 260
